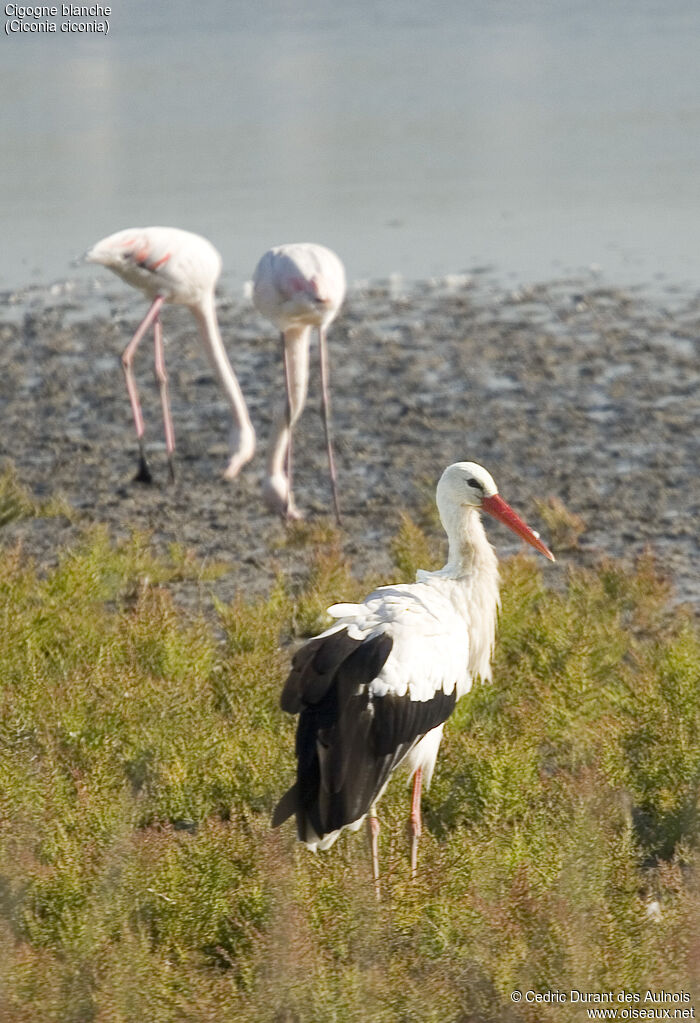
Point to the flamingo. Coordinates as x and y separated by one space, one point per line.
298 287
171 265
375 689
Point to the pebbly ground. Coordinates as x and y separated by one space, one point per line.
570 389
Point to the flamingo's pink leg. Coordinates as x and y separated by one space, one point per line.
288 413
162 377
326 401
144 474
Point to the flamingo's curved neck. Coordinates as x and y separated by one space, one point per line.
296 347
205 315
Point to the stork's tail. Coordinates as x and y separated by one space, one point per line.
287 805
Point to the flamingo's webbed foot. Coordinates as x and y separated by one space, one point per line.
243 447
143 473
279 500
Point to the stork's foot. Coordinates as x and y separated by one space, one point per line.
279 500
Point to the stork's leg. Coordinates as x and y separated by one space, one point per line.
326 404
415 827
162 377
373 828
144 473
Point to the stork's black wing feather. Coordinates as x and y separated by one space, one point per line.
313 669
349 740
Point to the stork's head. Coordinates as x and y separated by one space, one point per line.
467 485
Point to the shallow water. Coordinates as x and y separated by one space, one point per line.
537 138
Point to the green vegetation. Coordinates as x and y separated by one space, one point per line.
17 503
141 755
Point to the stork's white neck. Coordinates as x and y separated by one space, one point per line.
470 553
471 578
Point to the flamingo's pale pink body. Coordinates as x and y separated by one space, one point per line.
171 265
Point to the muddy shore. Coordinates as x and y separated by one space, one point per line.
571 389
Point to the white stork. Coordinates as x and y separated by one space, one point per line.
375 689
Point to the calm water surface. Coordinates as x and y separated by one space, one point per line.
538 137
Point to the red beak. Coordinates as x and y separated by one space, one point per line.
502 511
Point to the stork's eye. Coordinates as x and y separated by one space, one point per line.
474 483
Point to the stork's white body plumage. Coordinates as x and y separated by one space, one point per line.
171 265
441 642
375 689
298 287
